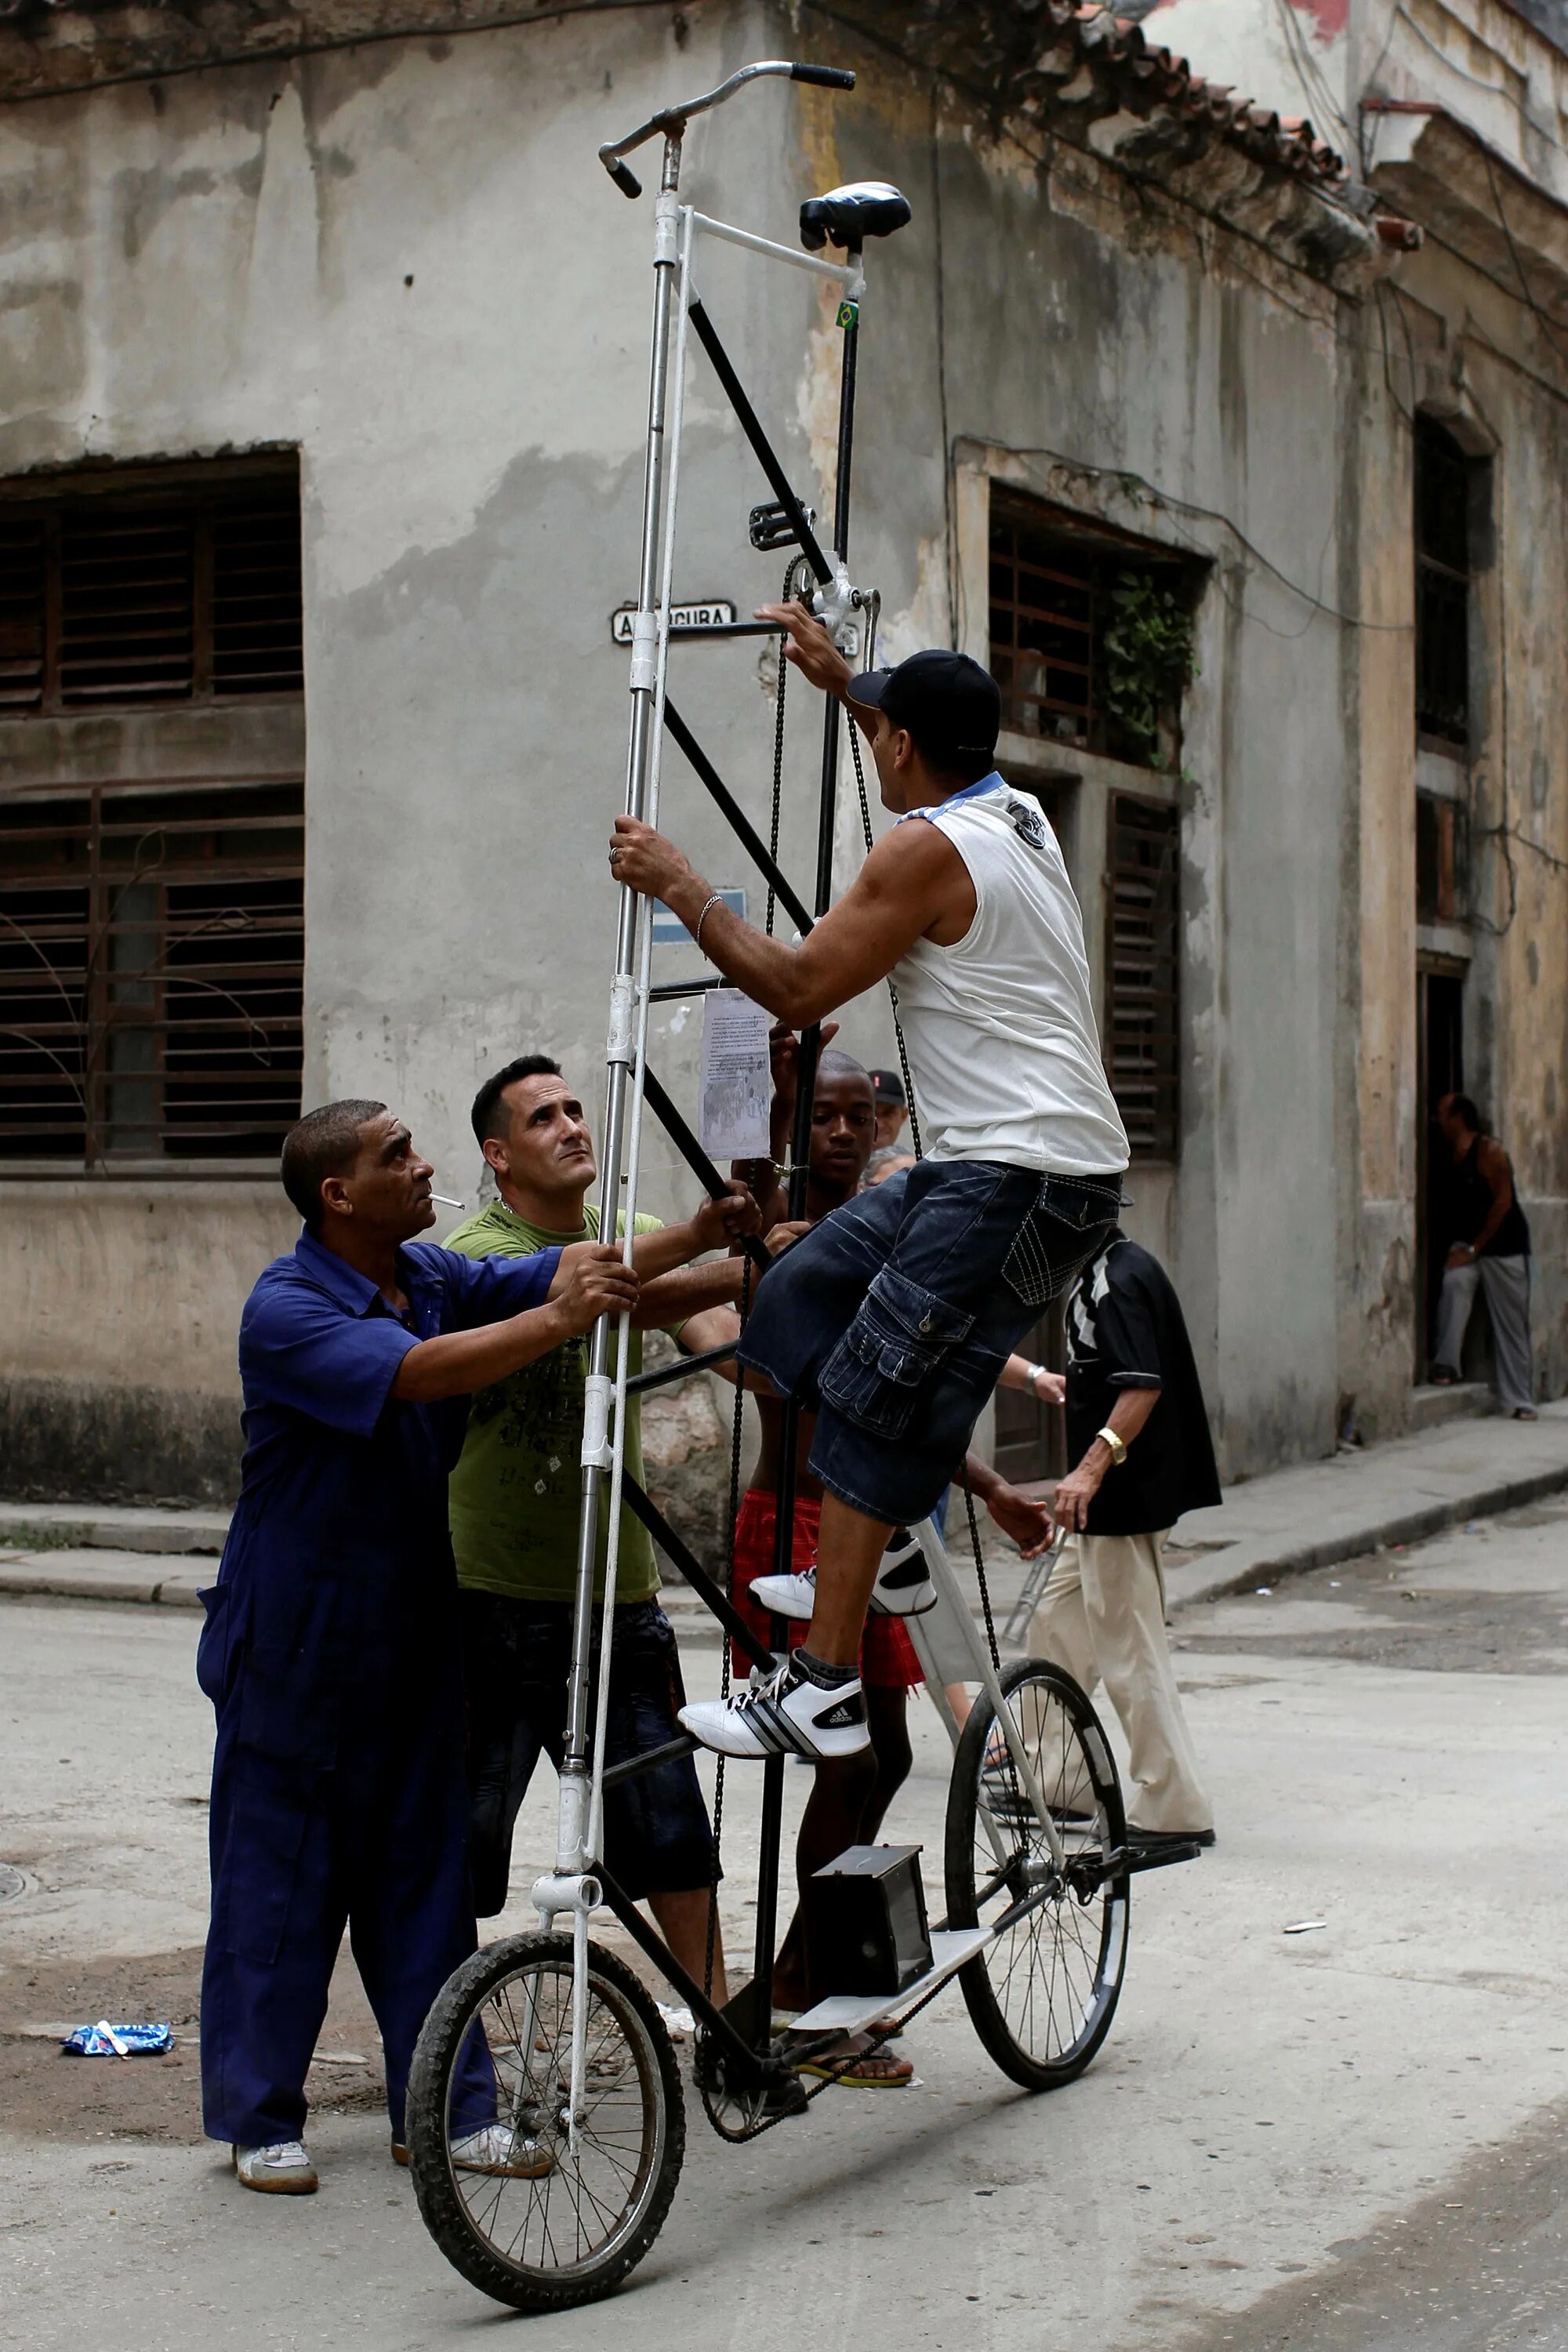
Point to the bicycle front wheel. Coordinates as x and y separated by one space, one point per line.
524 2214
1043 1992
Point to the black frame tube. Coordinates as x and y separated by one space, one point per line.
674 1124
740 823
719 1602
650 1941
751 426
639 1383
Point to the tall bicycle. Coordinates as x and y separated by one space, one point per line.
546 2120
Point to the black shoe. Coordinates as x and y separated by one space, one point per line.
1161 1841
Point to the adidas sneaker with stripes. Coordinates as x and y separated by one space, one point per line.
788 1715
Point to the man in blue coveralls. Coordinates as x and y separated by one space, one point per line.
330 1650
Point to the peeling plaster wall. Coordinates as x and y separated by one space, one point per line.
120 1302
221 261
407 262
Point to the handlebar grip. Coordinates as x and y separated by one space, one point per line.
625 178
825 76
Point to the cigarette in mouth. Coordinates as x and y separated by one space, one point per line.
442 1202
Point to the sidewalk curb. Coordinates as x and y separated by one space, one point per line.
1398 1528
38 1583
1239 1565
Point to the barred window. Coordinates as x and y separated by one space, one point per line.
152 855
113 597
1091 632
151 961
1143 967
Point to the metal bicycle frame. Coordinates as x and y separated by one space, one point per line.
579 1884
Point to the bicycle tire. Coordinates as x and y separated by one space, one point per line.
540 1966
1042 1970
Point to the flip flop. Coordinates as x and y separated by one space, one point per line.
852 2068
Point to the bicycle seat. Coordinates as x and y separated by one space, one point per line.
849 216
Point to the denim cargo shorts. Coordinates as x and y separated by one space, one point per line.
892 1318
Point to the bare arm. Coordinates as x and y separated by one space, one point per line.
809 649
716 1225
590 1281
685 1295
1018 1514
1077 1490
1495 1167
913 881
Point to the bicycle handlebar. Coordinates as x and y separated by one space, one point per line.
672 120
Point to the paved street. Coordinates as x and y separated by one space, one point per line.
1349 2138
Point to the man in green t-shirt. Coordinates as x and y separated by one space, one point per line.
514 1500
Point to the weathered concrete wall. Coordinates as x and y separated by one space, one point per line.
406 262
120 1302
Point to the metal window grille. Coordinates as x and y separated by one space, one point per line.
1043 616
122 598
1444 488
1050 604
1142 968
151 951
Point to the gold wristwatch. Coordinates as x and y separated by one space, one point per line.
1118 1449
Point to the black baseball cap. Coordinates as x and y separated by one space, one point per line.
948 703
888 1086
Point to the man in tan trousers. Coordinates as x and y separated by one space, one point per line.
1139 1434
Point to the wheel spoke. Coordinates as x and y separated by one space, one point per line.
572 2229
1042 1994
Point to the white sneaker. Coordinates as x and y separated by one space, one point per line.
787 1596
904 1585
282 2169
788 1715
497 2149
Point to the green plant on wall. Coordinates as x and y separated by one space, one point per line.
1146 655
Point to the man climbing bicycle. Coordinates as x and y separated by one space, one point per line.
893 1318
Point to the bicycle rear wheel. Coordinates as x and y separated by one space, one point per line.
523 2215
1043 1992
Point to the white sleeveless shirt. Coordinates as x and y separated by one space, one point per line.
1000 1028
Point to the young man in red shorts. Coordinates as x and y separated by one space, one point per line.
851 1793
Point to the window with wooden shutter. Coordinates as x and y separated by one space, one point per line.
151 963
1143 967
152 922
115 601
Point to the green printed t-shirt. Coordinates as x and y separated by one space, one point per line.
515 1496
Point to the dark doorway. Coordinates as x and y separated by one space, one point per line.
1441 1012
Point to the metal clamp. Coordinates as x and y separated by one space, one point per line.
553 1893
598 1390
836 606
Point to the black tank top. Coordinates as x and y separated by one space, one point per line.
1473 1206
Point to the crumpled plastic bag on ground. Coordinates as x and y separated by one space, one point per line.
106 2040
